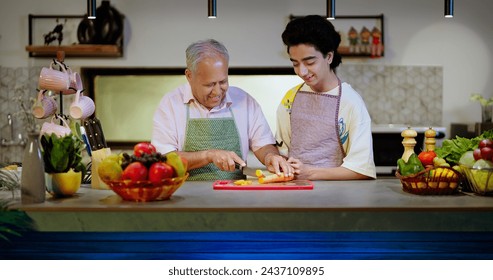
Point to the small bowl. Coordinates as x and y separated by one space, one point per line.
480 179
143 191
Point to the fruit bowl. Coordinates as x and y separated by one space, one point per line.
431 181
143 191
480 180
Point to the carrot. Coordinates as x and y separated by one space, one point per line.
259 173
274 178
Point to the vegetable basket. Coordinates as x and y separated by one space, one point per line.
431 181
480 180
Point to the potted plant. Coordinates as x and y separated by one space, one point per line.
62 157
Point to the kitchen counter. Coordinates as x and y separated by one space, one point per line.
373 205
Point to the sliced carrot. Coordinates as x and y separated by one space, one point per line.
274 178
259 173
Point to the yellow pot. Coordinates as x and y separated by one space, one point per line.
64 184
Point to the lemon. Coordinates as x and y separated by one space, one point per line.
65 184
109 169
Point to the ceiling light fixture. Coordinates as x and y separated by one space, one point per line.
331 9
212 13
91 9
449 8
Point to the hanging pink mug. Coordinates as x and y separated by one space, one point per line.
82 107
54 79
75 82
44 106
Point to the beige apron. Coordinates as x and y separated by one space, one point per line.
212 133
315 130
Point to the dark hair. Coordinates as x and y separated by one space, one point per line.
316 31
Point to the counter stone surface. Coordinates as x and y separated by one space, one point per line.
370 205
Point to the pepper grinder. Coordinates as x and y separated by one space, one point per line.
409 142
430 140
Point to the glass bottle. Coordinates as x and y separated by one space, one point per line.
33 174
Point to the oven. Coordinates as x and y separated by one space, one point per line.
387 145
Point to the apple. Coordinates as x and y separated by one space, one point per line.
144 148
477 154
159 171
487 153
135 171
485 143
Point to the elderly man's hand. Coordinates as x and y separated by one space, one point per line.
277 164
224 160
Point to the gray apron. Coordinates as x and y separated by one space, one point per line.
214 133
315 130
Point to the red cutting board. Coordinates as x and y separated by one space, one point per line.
291 185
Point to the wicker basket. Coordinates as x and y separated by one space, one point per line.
431 181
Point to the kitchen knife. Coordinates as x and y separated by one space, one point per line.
95 134
248 171
99 131
90 134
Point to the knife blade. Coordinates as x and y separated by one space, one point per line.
248 171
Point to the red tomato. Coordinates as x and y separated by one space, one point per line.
144 148
159 171
426 158
136 171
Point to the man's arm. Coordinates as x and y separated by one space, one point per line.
224 160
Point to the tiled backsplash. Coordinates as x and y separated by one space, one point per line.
410 95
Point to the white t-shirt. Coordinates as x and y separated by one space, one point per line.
170 119
354 123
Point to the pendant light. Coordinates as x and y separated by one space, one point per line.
212 13
91 9
449 8
331 9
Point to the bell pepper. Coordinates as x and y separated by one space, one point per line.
412 166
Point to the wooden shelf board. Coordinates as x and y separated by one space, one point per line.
80 50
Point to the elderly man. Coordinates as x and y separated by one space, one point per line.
212 125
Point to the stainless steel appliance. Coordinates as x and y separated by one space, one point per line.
387 144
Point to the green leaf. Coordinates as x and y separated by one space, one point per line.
61 153
13 222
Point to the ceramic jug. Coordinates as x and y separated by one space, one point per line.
33 188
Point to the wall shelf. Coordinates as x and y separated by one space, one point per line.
78 50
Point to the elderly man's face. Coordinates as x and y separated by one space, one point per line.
210 81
